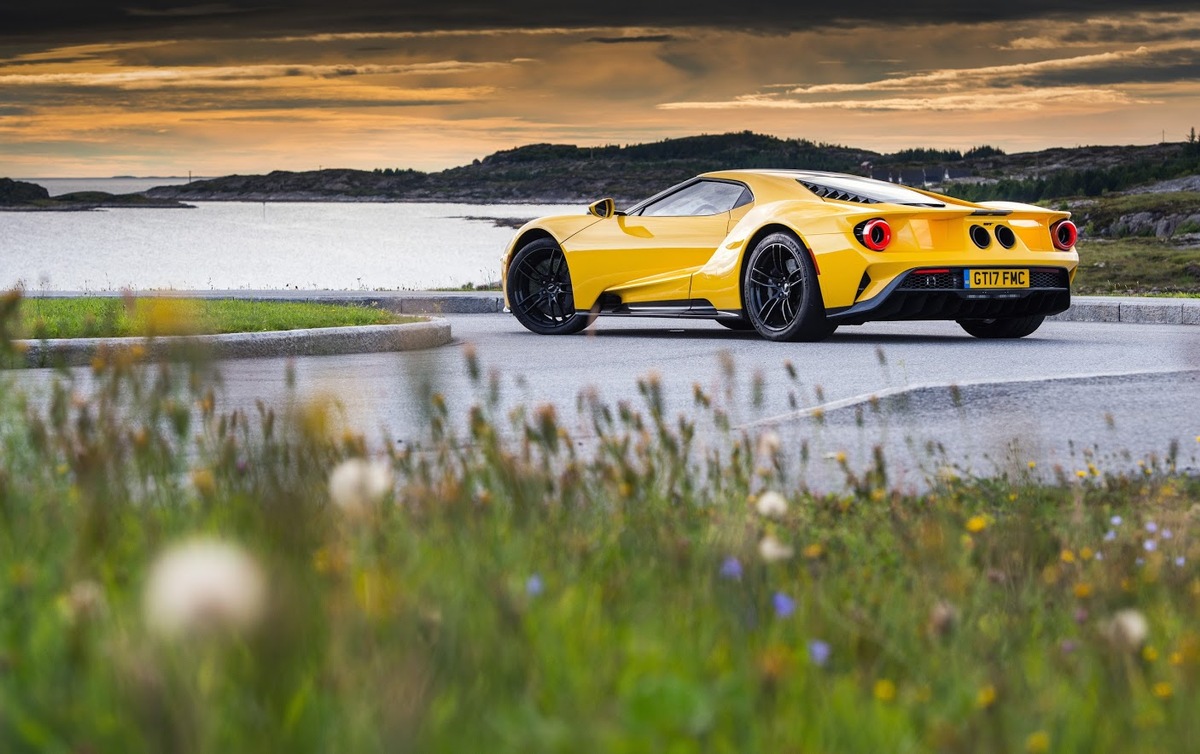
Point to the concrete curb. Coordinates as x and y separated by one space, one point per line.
1140 311
1125 309
322 341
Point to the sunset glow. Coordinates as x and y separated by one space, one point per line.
165 99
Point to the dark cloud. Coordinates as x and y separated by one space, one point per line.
624 40
84 20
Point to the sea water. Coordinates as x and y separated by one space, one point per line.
252 245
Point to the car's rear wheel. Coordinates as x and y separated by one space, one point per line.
539 290
1012 327
780 293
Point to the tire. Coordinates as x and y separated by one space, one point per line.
741 324
780 293
539 290
1013 327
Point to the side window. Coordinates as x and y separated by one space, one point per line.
700 198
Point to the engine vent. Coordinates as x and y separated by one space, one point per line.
828 192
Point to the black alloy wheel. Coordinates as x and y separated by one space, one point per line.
1012 327
539 290
780 293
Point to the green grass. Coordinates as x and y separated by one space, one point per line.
114 317
522 589
1136 266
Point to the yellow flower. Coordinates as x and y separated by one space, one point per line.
1033 464
204 482
1176 658
1067 556
1038 743
1149 653
976 524
986 696
1163 690
1086 553
885 690
1083 591
841 456
1081 473
814 551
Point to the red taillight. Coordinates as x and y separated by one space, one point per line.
875 234
1064 235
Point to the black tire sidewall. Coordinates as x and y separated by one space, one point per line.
810 323
573 324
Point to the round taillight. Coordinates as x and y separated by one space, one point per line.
1064 235
876 234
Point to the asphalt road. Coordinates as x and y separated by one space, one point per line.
1122 392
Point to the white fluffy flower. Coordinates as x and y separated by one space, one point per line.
769 443
1127 630
357 486
772 550
771 504
204 586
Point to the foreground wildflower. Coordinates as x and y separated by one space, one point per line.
819 652
773 551
976 524
1127 630
204 587
771 505
357 486
785 606
534 585
731 569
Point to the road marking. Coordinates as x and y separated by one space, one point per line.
889 392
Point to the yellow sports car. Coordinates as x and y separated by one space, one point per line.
793 254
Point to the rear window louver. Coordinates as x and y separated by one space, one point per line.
826 192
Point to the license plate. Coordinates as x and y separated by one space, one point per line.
995 278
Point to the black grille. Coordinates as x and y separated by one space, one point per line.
826 192
932 281
1048 279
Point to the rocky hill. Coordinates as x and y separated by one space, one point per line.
566 173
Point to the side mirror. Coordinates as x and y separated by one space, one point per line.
603 208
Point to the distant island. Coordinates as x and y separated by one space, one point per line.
560 173
22 196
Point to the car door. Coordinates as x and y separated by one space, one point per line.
648 255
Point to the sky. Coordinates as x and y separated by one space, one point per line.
146 87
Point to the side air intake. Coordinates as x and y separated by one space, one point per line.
828 192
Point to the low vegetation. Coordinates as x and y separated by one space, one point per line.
1136 267
94 317
178 577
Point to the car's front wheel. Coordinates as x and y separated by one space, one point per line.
1012 327
780 293
539 290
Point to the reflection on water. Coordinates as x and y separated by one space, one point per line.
240 245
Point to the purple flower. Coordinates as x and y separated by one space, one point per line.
1116 520
534 585
784 605
818 652
1151 527
1099 556
731 569
1110 536
1068 646
1167 534
1180 560
1150 545
1081 616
